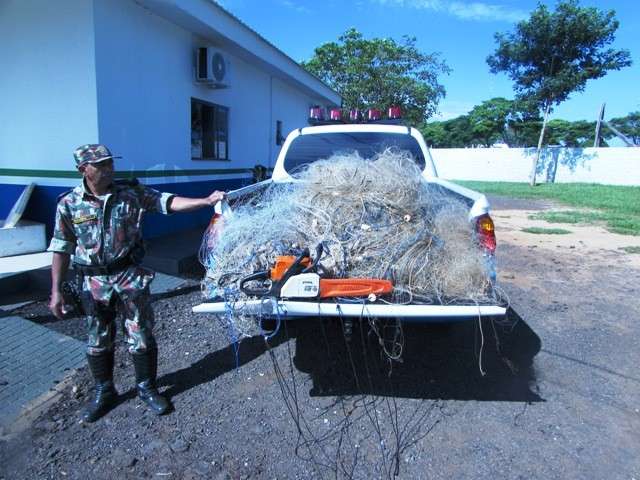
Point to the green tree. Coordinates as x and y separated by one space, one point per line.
554 53
489 120
381 72
502 120
580 134
460 132
435 134
629 126
523 126
453 133
577 134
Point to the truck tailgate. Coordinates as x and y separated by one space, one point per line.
271 308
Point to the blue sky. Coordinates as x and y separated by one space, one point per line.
461 31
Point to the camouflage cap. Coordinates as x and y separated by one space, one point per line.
91 153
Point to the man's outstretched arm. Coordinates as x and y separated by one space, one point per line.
184 204
59 268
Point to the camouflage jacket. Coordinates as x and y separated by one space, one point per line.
99 232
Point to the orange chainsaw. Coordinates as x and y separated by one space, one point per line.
297 277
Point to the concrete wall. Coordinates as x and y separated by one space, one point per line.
613 166
47 82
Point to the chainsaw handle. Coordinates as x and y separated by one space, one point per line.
264 275
276 286
295 269
314 261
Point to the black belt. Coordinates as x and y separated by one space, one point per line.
114 267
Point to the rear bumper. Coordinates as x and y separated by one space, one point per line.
417 313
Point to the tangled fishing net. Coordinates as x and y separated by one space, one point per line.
375 218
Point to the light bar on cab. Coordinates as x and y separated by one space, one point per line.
373 115
316 113
337 115
394 112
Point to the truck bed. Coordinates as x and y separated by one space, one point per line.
339 307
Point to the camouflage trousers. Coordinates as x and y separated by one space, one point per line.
127 293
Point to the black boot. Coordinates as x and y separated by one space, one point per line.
105 397
146 366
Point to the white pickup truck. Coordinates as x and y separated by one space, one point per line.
306 145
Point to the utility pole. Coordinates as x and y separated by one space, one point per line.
620 135
596 140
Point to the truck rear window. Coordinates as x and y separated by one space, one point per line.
306 149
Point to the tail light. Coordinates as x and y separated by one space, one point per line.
486 233
355 115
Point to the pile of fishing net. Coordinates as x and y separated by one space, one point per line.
375 218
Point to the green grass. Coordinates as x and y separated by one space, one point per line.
570 216
631 249
546 231
617 207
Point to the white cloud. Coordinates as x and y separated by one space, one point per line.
294 6
479 11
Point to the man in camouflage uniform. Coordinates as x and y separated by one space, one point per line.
99 223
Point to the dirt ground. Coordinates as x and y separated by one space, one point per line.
592 240
564 404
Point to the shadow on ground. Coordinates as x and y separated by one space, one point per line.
214 364
439 361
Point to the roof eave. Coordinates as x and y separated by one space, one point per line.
209 20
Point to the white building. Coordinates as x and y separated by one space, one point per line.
122 73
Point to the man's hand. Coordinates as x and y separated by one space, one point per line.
59 267
56 304
215 197
184 204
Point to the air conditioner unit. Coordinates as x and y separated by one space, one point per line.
212 68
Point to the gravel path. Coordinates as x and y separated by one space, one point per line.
573 413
